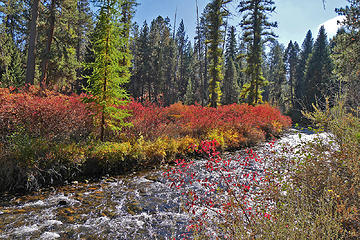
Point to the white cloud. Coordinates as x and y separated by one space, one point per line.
331 25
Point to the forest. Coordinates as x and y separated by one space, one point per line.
86 92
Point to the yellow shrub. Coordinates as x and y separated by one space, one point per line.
218 135
233 138
154 151
112 151
185 143
172 149
72 152
229 138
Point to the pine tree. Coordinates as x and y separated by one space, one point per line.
257 31
30 64
352 16
201 49
170 68
231 89
50 34
143 74
11 62
159 34
346 54
63 51
182 43
13 15
306 50
291 62
111 66
277 75
189 98
83 29
241 64
318 76
215 23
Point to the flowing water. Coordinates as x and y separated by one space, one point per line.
138 206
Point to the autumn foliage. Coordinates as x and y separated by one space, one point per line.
44 132
44 114
178 120
55 116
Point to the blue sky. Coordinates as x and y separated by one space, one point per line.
294 17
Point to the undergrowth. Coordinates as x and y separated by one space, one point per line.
47 137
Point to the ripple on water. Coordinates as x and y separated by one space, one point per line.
49 236
26 229
39 203
52 222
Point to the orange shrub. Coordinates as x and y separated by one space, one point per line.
179 120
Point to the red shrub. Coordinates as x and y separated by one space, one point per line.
44 114
52 115
152 121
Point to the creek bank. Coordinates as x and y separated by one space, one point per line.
84 163
137 206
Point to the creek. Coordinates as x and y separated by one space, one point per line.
137 206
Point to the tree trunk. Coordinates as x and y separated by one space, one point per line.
202 87
45 63
30 64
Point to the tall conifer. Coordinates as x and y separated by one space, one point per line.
318 76
306 49
291 62
111 65
257 30
215 22
230 88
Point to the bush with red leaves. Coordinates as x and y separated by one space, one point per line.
46 114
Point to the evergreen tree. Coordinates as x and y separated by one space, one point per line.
215 23
346 54
157 38
143 70
305 53
231 89
257 30
13 15
30 63
50 34
291 62
170 68
111 65
133 85
62 43
241 64
182 43
83 29
318 76
277 76
352 16
201 50
11 62
155 54
189 98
